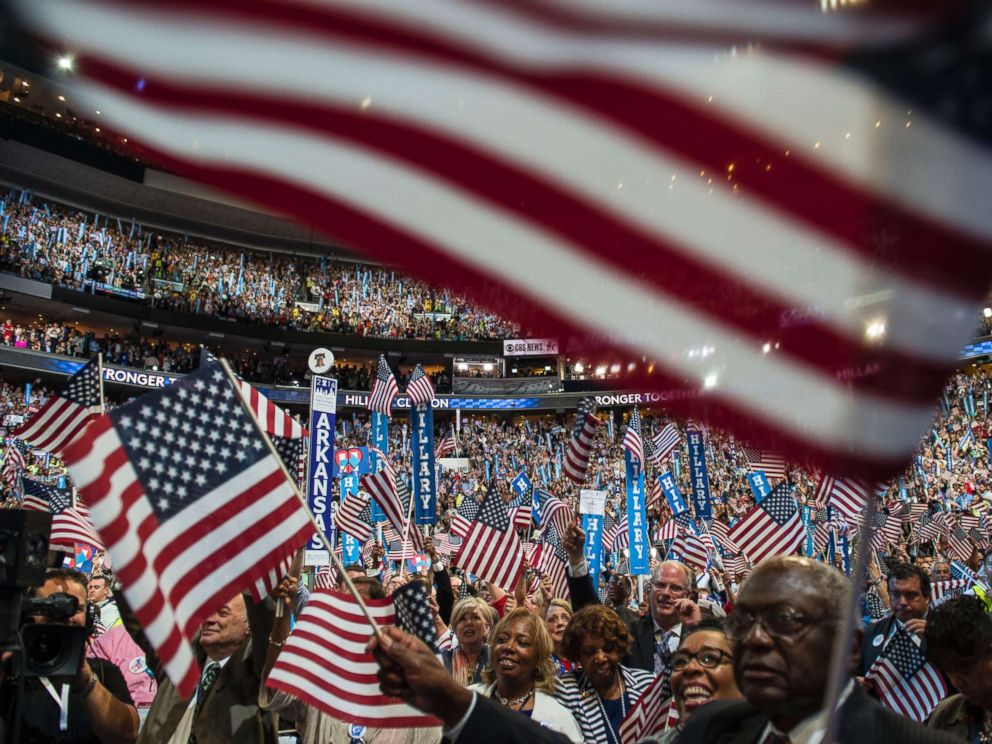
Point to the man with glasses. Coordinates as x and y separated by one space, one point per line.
782 632
671 603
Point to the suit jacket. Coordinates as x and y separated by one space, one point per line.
641 655
230 711
493 724
869 650
862 720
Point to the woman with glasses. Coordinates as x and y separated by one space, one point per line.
559 613
520 675
602 691
702 671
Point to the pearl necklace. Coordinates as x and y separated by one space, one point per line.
514 703
614 736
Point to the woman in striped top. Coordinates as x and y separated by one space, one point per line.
602 692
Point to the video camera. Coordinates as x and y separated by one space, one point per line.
52 649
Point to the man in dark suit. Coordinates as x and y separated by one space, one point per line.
409 670
909 599
783 630
671 603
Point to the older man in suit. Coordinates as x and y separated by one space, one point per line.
783 630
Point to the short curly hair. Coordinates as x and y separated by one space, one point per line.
958 633
595 620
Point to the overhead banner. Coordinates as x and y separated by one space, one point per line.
637 518
592 506
700 478
759 485
675 501
323 416
380 441
424 479
530 347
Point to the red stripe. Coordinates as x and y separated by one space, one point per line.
935 254
366 233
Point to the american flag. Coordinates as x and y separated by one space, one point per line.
580 444
736 564
192 505
395 502
632 441
824 486
525 224
293 453
959 543
553 510
442 543
665 441
668 530
770 528
552 560
64 416
930 527
14 461
274 420
521 507
904 680
325 577
849 496
324 662
657 493
384 389
654 711
910 512
444 447
771 463
70 521
888 530
354 516
941 591
464 516
721 532
691 550
419 390
617 537
491 549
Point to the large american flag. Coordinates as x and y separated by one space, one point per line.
728 190
552 510
580 443
632 441
771 528
464 515
419 390
491 549
849 496
906 682
274 420
665 441
354 516
192 506
70 520
324 662
384 389
691 550
64 416
654 711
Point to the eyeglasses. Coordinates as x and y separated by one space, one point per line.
708 658
676 589
784 623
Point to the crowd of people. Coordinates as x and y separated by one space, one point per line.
70 248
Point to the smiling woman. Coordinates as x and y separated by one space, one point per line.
521 675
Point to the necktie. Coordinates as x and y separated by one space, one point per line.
209 676
662 653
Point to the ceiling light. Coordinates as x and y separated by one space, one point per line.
65 62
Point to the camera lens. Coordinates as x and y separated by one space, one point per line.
46 647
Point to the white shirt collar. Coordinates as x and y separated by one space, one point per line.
810 730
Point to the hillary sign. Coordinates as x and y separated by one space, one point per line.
323 414
637 519
700 479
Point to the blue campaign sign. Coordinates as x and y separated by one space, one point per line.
424 477
759 485
671 490
637 518
521 484
323 416
380 441
351 549
592 525
807 514
700 478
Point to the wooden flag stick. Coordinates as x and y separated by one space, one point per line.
306 507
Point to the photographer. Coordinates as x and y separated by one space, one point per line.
95 706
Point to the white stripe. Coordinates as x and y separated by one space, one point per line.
744 237
784 394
